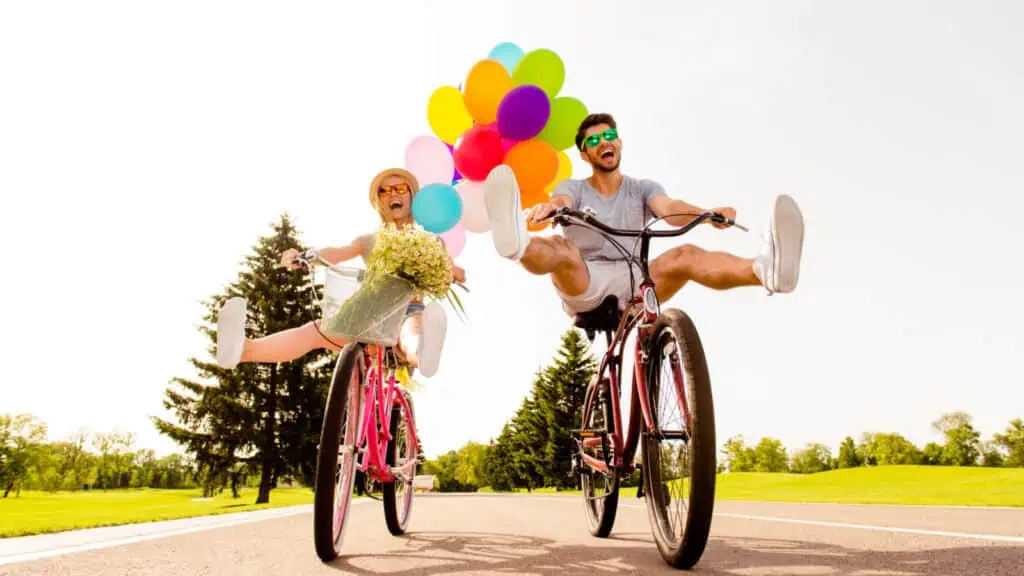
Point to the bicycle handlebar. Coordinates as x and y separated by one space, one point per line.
561 216
306 258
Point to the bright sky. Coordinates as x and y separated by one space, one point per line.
144 147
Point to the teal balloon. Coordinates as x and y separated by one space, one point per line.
437 208
508 54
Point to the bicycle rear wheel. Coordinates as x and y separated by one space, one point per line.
397 495
336 458
679 459
600 489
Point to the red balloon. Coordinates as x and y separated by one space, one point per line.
479 152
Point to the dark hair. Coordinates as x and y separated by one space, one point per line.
588 123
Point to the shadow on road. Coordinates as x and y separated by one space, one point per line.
634 553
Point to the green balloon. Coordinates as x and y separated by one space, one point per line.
542 68
566 115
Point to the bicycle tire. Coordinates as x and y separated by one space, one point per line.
397 520
686 551
600 520
343 401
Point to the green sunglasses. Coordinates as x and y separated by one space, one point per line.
609 135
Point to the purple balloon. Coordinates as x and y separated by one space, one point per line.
523 112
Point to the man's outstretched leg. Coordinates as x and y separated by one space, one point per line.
555 255
777 267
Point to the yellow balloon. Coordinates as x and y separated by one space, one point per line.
487 83
447 114
564 171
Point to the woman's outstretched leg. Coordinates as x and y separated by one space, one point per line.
422 338
233 347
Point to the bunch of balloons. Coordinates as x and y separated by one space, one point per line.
507 111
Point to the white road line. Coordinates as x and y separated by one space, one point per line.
870 527
235 520
963 535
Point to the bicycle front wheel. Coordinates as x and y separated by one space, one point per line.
336 458
403 459
679 464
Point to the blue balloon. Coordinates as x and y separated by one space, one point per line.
437 208
508 54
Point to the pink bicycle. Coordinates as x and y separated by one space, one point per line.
368 425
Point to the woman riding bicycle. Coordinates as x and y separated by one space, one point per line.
423 330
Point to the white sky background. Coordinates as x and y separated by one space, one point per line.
144 147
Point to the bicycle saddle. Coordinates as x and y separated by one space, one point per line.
604 318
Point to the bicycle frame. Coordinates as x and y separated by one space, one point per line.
375 431
642 312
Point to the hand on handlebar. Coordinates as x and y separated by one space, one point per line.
727 215
292 258
541 212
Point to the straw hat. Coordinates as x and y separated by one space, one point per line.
380 177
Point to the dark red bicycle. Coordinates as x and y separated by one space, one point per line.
672 416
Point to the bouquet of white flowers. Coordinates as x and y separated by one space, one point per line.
404 263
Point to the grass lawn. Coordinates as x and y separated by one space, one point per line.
915 485
37 512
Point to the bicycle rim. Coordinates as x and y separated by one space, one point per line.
600 489
679 461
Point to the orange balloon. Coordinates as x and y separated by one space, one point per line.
530 198
534 162
486 85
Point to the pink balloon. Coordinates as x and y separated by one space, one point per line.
508 144
454 240
474 211
429 160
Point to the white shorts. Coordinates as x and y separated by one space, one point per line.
607 278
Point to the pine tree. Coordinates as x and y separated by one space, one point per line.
559 397
258 418
529 436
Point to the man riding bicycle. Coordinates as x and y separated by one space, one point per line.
585 268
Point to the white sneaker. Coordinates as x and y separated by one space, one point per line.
231 332
504 210
435 325
778 265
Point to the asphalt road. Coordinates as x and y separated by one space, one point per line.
487 534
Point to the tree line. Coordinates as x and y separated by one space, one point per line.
962 446
82 461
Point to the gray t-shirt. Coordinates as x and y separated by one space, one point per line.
629 209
